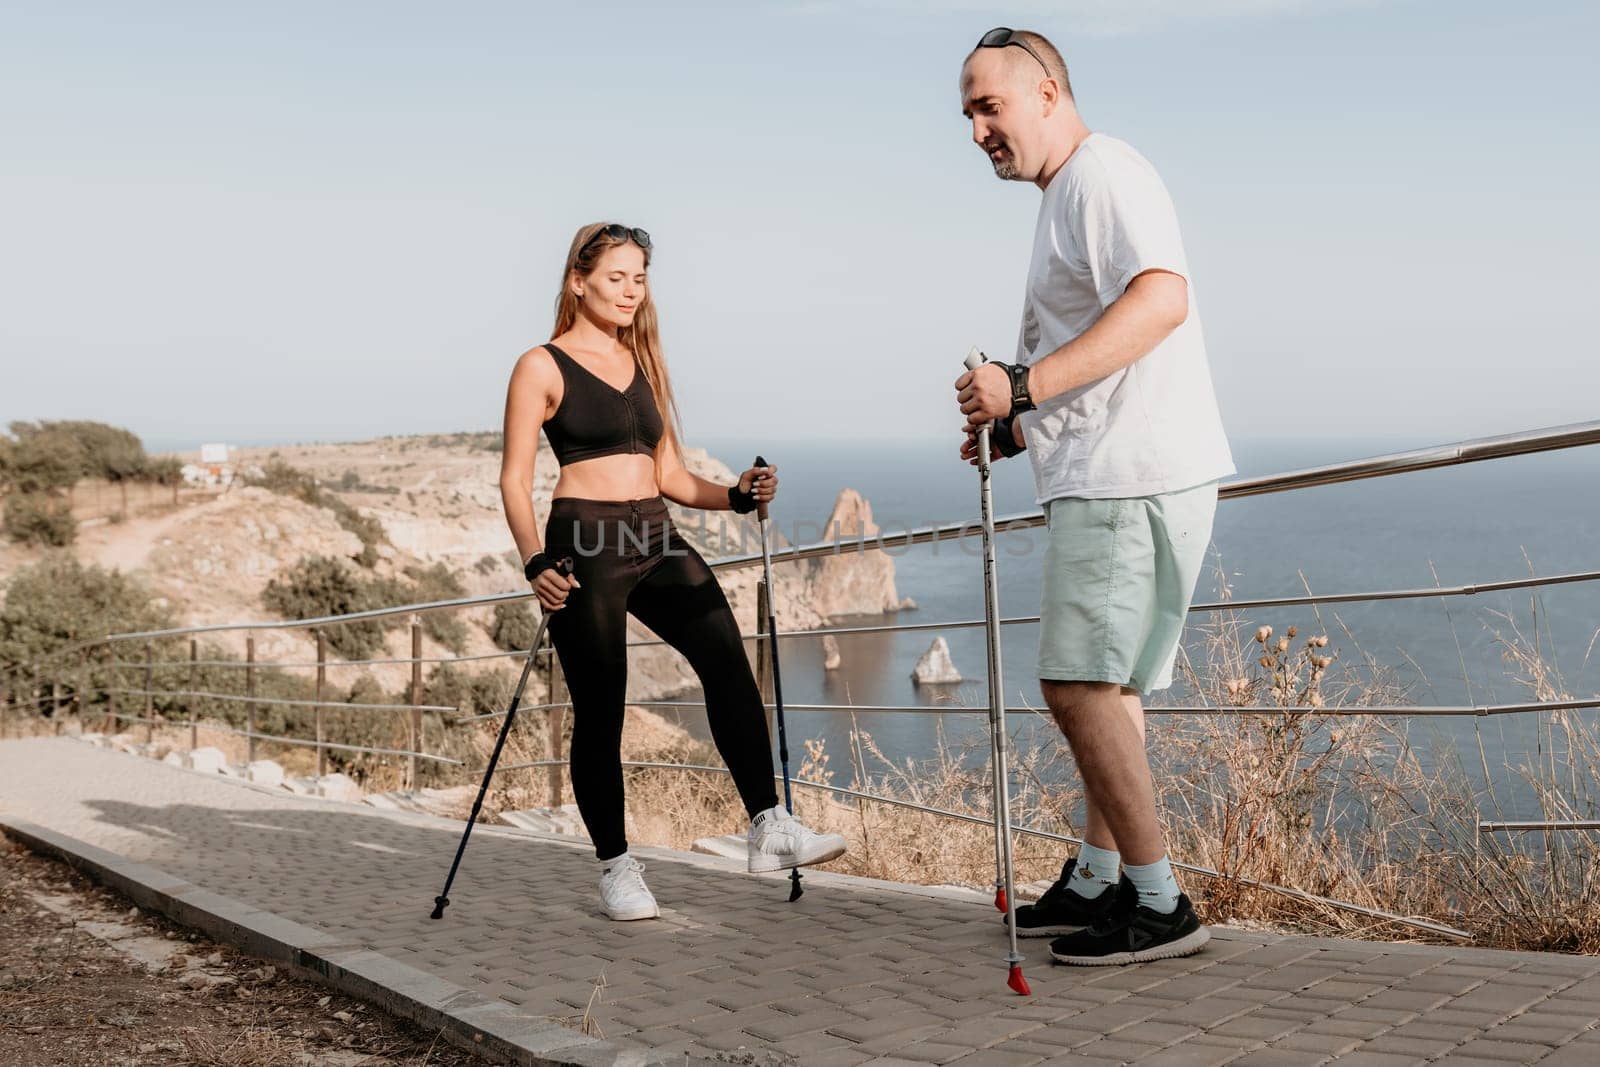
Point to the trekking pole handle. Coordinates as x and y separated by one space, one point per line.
761 505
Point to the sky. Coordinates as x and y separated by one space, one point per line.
327 221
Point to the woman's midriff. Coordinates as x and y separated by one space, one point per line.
629 477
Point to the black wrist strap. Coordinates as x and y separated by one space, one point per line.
536 564
1004 436
742 502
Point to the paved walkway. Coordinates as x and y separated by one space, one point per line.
856 972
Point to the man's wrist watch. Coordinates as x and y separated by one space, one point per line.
1021 398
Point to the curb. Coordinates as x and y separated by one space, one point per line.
466 1018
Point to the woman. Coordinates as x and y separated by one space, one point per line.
601 394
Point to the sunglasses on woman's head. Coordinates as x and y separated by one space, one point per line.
618 232
1004 37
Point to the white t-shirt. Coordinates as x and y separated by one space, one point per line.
1153 426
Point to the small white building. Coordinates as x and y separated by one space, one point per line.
213 468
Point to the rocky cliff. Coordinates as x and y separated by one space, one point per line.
438 500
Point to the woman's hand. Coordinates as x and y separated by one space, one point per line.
762 481
552 587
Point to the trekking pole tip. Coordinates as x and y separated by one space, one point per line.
439 904
795 890
1000 899
1017 982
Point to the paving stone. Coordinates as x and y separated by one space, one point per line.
1377 1059
1516 1052
1308 1041
997 1058
849 974
882 1025
1278 1057
1117 1050
1190 1055
1257 1027
1407 1046
934 1052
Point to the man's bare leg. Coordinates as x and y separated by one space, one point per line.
1103 723
1096 832
1107 742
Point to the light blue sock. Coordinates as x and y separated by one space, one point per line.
1096 871
1158 890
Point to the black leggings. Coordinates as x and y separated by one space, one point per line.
628 557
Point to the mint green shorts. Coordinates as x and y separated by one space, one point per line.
1119 575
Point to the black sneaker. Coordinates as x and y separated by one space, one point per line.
1063 910
1133 933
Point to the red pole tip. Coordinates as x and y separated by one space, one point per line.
1000 900
1017 982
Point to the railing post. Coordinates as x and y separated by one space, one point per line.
322 682
113 676
415 741
250 693
764 655
194 684
83 687
149 695
5 703
556 719
55 706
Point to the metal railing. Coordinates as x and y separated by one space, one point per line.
22 684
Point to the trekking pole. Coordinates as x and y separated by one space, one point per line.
1005 874
442 901
777 681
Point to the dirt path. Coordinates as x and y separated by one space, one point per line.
127 544
87 979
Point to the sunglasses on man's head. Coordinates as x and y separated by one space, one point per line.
1004 37
618 232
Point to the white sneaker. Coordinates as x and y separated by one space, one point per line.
623 892
778 840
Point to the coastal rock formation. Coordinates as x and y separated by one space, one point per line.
858 582
936 667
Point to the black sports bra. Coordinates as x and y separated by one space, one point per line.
595 419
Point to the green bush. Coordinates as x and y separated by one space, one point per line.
40 518
163 470
514 625
59 602
438 582
56 454
44 457
323 585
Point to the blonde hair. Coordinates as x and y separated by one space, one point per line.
642 337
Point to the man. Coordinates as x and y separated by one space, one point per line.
1111 397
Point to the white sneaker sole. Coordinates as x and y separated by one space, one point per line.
1187 945
638 911
824 848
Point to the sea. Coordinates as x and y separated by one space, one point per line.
1536 515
